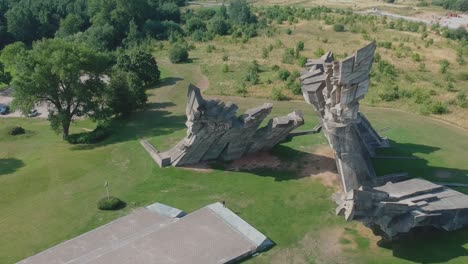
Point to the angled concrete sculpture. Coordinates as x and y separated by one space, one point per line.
334 89
216 133
389 205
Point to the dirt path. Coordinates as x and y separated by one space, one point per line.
203 82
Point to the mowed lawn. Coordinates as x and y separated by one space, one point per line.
49 189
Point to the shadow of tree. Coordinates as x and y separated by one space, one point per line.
141 124
167 81
10 165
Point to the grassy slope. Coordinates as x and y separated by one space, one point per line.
49 189
314 34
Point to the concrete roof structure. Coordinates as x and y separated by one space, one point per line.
162 234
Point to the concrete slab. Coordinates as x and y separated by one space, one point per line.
154 234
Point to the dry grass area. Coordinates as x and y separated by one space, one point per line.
422 74
402 7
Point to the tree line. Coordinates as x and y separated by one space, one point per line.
90 58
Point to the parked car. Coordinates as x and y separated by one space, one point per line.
4 110
33 113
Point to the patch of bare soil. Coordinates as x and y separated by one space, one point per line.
203 83
259 160
320 165
443 174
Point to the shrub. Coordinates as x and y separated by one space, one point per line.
283 74
390 93
288 56
241 90
252 73
110 203
319 52
225 68
301 61
288 31
277 94
14 131
99 134
443 66
225 57
265 53
385 44
275 67
210 48
463 76
461 99
416 57
339 27
438 108
450 87
178 54
295 88
300 46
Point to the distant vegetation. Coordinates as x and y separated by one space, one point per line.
459 5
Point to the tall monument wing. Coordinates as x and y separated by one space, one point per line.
390 205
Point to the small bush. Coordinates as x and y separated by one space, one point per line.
277 94
225 68
99 134
390 93
241 90
288 56
385 44
178 54
210 48
461 99
300 46
110 203
443 66
265 52
14 131
301 61
288 31
275 67
319 52
225 57
438 108
252 73
283 74
339 27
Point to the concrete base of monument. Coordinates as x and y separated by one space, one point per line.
161 234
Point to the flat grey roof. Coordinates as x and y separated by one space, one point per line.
212 234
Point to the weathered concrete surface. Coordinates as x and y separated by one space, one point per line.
215 132
334 90
212 234
396 208
398 205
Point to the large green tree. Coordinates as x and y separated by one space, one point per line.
68 76
5 76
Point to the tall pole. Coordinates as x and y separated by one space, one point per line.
106 184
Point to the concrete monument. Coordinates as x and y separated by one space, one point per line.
216 133
390 205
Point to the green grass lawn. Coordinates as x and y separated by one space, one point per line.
49 189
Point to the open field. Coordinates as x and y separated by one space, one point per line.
49 189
